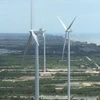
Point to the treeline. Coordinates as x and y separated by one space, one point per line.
56 49
11 75
28 88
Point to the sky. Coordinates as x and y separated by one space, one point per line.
15 16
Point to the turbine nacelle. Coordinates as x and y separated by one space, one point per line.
70 30
41 30
31 31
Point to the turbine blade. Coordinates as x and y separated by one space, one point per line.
88 58
35 37
97 65
72 97
70 24
62 23
64 46
27 45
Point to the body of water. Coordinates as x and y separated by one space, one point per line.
85 37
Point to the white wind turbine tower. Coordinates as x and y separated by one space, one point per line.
44 52
42 31
33 34
67 30
44 38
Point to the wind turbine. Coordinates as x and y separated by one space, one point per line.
67 30
34 34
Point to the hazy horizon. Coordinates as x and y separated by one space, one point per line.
82 37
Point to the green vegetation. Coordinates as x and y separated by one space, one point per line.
12 68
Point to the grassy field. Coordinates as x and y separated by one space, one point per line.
17 77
